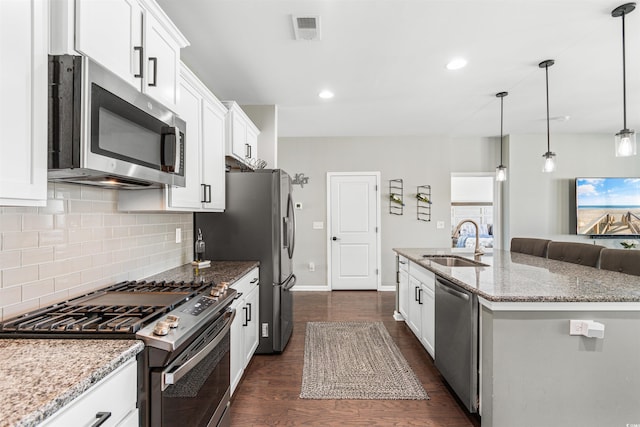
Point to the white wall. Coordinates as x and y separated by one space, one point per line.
417 160
265 117
79 243
538 204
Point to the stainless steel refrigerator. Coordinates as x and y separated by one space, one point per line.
258 225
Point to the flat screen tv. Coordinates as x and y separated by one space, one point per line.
608 206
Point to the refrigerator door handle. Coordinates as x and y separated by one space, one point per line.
290 282
291 222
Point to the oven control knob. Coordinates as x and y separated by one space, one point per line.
172 321
161 328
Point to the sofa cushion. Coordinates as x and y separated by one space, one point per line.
622 260
576 253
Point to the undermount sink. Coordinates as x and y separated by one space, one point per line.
453 261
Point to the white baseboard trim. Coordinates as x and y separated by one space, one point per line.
387 288
398 317
315 288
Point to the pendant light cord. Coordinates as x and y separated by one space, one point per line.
546 69
501 113
624 78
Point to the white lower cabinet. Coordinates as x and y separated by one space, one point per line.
245 327
416 290
403 286
113 398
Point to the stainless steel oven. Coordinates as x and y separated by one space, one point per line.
190 386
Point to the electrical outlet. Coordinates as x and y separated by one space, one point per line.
265 330
178 235
440 224
575 327
312 266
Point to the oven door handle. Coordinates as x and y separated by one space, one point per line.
169 378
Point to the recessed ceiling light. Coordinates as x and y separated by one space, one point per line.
456 64
326 94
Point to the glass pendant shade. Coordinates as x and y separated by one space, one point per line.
549 162
501 173
625 143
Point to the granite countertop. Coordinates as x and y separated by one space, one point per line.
220 271
515 277
40 376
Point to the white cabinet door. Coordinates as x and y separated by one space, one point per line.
239 136
23 103
110 32
252 322
415 309
252 144
213 167
237 344
190 110
428 319
403 294
162 63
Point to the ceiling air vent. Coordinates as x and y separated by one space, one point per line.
306 27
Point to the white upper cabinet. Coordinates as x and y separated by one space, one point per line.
23 104
132 38
242 136
204 156
122 51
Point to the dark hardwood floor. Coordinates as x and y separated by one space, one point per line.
268 394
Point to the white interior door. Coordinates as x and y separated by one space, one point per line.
353 231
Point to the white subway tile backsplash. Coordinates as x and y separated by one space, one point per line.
53 237
19 276
37 289
10 222
79 243
19 240
37 256
10 259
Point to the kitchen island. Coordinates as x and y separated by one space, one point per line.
532 372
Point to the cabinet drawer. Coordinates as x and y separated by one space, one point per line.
423 275
247 282
403 263
115 394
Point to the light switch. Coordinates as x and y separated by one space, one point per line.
318 225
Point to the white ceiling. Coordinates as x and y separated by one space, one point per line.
385 60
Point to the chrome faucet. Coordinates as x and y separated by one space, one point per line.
478 251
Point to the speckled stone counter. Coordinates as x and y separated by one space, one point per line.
40 376
514 277
220 271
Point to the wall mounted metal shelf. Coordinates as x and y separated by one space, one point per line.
396 197
423 200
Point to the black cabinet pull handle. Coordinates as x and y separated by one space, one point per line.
415 293
155 71
204 193
334 238
420 296
140 60
208 193
249 311
254 280
246 317
102 417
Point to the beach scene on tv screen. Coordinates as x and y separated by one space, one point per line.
608 206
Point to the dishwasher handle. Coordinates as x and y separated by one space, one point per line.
452 291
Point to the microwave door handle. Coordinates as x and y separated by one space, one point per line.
171 149
169 378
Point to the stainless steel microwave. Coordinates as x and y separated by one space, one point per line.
104 132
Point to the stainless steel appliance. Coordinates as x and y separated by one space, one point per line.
184 369
457 340
105 132
259 225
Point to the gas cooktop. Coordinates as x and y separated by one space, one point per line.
120 310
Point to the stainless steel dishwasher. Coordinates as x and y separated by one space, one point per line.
457 340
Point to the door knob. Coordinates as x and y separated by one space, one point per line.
334 238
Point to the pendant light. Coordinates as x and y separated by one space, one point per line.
549 156
501 170
625 140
